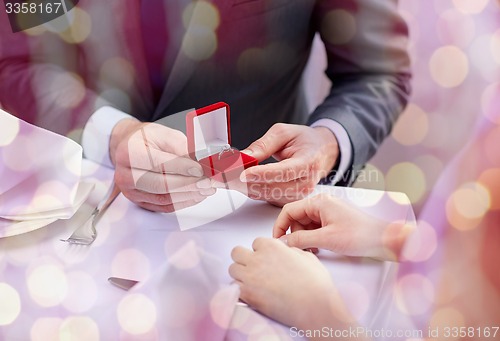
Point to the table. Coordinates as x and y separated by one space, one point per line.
63 291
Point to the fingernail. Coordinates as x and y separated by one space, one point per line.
203 184
284 239
247 151
195 172
247 177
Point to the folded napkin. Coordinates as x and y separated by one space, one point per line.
186 299
39 172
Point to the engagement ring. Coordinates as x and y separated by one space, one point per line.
225 148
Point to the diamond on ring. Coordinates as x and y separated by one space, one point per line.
225 148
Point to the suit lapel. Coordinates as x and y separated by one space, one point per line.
183 65
129 36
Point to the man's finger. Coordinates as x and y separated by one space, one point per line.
157 183
167 208
283 171
154 160
171 198
272 141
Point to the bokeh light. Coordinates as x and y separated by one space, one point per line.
117 72
437 137
470 7
221 305
10 128
490 179
414 294
72 159
36 31
51 187
80 27
201 20
79 328
82 292
46 328
338 27
481 58
357 296
131 263
47 285
199 43
45 202
408 178
495 46
456 28
250 63
12 159
18 254
136 314
490 145
449 66
412 127
187 258
467 205
176 241
447 317
74 89
183 307
241 318
490 102
374 179
201 13
421 244
10 304
441 6
432 167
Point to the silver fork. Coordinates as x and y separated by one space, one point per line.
87 233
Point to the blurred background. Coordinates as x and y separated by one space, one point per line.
455 52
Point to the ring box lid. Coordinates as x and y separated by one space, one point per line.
208 130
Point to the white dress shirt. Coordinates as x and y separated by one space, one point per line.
97 134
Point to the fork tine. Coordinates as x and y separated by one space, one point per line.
84 235
87 233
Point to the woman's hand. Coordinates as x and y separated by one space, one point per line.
326 222
288 285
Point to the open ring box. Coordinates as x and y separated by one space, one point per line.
209 142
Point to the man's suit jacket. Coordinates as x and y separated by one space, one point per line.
248 53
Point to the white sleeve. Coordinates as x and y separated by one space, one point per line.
344 142
97 132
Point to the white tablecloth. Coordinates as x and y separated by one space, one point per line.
63 289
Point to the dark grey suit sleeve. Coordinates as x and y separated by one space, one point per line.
368 64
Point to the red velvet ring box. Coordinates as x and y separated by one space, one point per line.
209 138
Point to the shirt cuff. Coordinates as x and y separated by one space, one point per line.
97 133
344 142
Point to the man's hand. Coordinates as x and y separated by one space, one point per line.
288 285
305 155
153 168
326 222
